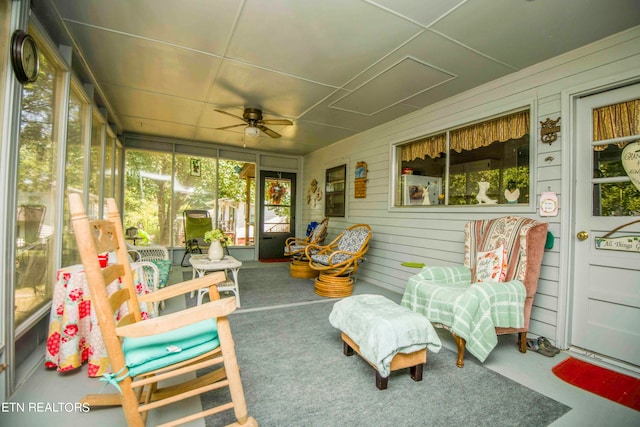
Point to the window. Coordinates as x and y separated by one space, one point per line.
479 164
160 186
36 192
75 168
236 187
109 159
335 191
96 163
147 195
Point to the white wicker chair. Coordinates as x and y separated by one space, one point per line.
156 255
150 274
149 253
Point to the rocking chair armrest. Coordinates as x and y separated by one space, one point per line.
179 319
184 287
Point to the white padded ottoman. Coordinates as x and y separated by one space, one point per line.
389 337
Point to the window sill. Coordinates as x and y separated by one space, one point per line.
439 209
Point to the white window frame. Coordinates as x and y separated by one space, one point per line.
478 115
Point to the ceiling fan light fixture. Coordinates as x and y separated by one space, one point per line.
251 131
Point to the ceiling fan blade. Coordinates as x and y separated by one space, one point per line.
232 115
269 132
232 126
284 122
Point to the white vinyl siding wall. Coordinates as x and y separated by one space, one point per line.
435 235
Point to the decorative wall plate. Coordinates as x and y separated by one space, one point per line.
631 162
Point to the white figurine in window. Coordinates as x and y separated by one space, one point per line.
512 193
425 195
482 197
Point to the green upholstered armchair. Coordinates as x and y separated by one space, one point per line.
492 293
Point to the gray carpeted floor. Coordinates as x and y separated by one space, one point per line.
268 286
294 373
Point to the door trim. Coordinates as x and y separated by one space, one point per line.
568 111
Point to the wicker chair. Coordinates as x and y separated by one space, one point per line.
294 247
159 257
149 358
339 260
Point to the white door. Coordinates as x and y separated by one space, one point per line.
606 288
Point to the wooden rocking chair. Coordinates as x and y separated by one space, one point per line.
143 353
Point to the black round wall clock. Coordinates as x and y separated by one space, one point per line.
24 57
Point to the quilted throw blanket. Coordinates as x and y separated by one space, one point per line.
470 311
382 328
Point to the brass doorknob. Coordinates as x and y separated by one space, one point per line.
582 235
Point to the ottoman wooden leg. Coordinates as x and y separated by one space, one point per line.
381 382
416 372
346 349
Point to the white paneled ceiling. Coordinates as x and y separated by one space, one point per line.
332 67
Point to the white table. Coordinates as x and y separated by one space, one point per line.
202 264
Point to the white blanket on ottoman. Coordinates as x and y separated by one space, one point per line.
382 329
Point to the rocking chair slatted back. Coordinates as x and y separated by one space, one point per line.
144 352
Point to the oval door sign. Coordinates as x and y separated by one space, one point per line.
631 162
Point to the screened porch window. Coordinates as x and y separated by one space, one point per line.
483 163
160 186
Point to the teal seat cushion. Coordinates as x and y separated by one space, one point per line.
154 352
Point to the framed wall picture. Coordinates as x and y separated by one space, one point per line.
195 167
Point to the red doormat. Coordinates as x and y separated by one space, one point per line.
612 385
276 260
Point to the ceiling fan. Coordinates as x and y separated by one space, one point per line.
252 118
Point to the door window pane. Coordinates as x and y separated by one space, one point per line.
277 205
617 126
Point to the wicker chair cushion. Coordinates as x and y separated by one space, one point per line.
324 258
296 248
317 232
352 240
